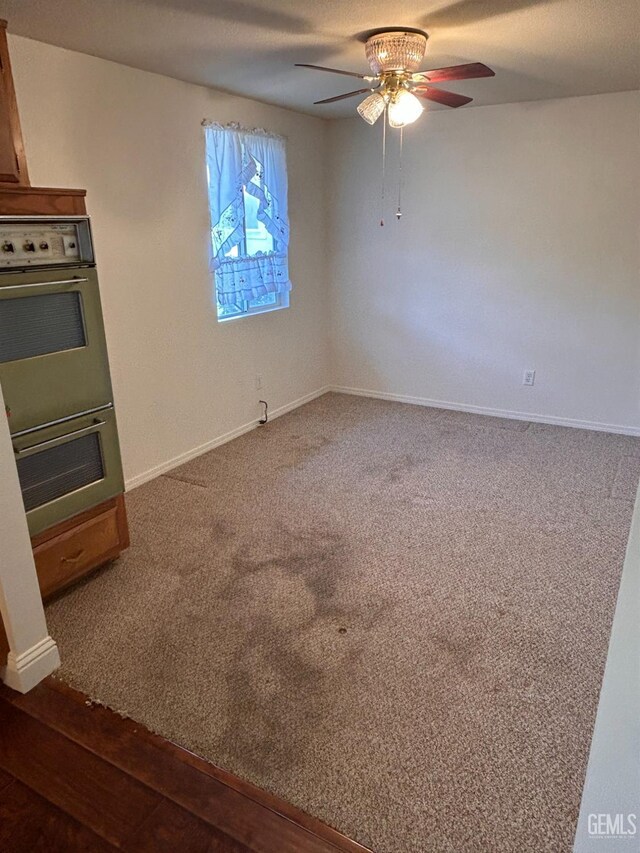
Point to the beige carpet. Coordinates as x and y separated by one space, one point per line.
395 617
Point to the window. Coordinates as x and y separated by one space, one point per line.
247 179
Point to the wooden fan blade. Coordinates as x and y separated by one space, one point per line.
449 99
456 72
334 71
342 97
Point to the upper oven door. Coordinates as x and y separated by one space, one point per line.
53 355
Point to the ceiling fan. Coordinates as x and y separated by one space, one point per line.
394 57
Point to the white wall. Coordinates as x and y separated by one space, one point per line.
612 783
518 249
134 141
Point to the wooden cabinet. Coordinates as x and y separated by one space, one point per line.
71 549
41 201
13 163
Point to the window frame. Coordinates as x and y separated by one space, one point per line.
245 308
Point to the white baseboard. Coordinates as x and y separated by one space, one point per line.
170 464
156 471
24 671
483 410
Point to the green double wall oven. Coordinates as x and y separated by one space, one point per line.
54 369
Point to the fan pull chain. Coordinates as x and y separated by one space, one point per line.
399 213
384 162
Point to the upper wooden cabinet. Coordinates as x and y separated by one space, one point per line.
13 163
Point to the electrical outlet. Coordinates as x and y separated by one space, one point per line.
258 381
529 377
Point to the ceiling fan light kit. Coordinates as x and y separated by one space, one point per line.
372 107
404 108
394 57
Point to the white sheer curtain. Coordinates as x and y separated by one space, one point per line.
252 161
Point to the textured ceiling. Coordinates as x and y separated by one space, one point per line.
538 48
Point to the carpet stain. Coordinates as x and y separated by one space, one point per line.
394 470
295 650
302 448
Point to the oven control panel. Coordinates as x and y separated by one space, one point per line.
43 241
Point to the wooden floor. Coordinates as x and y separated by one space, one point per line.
74 776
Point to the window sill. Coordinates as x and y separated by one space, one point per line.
252 312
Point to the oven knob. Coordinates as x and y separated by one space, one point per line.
44 246
29 246
7 247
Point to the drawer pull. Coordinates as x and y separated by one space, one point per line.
60 439
74 557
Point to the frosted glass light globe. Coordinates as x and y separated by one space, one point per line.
372 107
404 109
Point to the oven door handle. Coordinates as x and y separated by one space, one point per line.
33 448
43 284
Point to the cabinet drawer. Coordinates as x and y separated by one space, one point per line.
64 558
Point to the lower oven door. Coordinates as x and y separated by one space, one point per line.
67 468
